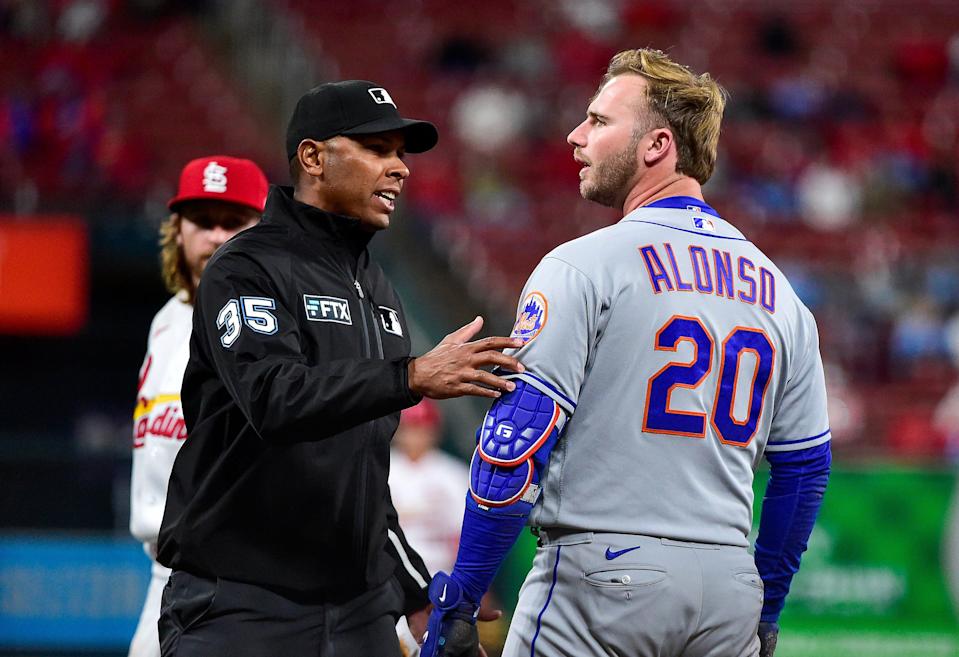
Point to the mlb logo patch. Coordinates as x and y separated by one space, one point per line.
390 319
704 223
381 96
327 309
532 317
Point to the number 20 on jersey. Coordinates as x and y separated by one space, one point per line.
660 418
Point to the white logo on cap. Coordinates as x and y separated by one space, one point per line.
214 178
381 96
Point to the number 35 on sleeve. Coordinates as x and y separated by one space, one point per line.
254 312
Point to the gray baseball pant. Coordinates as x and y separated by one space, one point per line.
636 596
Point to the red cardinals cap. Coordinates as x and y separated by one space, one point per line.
424 414
222 178
353 107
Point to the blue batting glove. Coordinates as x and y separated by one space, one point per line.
451 631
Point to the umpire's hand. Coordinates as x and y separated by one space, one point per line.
452 368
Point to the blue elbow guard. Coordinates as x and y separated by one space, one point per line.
518 432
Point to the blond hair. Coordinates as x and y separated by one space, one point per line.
690 105
176 273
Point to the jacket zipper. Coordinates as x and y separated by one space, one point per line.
366 330
376 330
361 544
373 324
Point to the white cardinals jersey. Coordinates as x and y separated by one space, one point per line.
158 426
682 354
428 496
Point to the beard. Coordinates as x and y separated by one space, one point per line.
612 176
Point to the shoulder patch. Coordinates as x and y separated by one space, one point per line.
704 223
532 317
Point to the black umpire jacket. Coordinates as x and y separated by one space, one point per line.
297 373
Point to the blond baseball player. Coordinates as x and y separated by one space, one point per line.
217 197
665 356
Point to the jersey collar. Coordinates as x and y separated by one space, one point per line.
684 203
687 214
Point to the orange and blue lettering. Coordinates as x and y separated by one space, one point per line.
742 339
747 278
767 290
654 266
724 273
681 285
704 279
659 417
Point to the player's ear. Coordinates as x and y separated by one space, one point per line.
655 146
176 220
312 157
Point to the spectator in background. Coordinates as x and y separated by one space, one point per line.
918 335
946 421
844 404
81 19
427 484
218 197
829 197
427 489
946 416
489 117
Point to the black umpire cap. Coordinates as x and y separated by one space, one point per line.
353 107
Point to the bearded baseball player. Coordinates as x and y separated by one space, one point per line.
665 356
217 197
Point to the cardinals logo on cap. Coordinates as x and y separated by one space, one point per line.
205 178
214 178
381 96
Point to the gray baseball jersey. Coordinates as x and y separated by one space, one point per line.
682 354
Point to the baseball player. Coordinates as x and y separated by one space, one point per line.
278 524
665 356
422 480
425 484
218 197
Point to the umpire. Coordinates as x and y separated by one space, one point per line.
279 526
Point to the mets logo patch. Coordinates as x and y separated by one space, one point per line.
532 317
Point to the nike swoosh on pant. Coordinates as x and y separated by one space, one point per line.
610 555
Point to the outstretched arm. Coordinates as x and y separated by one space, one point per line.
513 447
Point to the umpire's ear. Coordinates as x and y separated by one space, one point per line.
311 155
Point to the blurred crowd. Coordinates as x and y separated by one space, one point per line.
94 99
838 157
